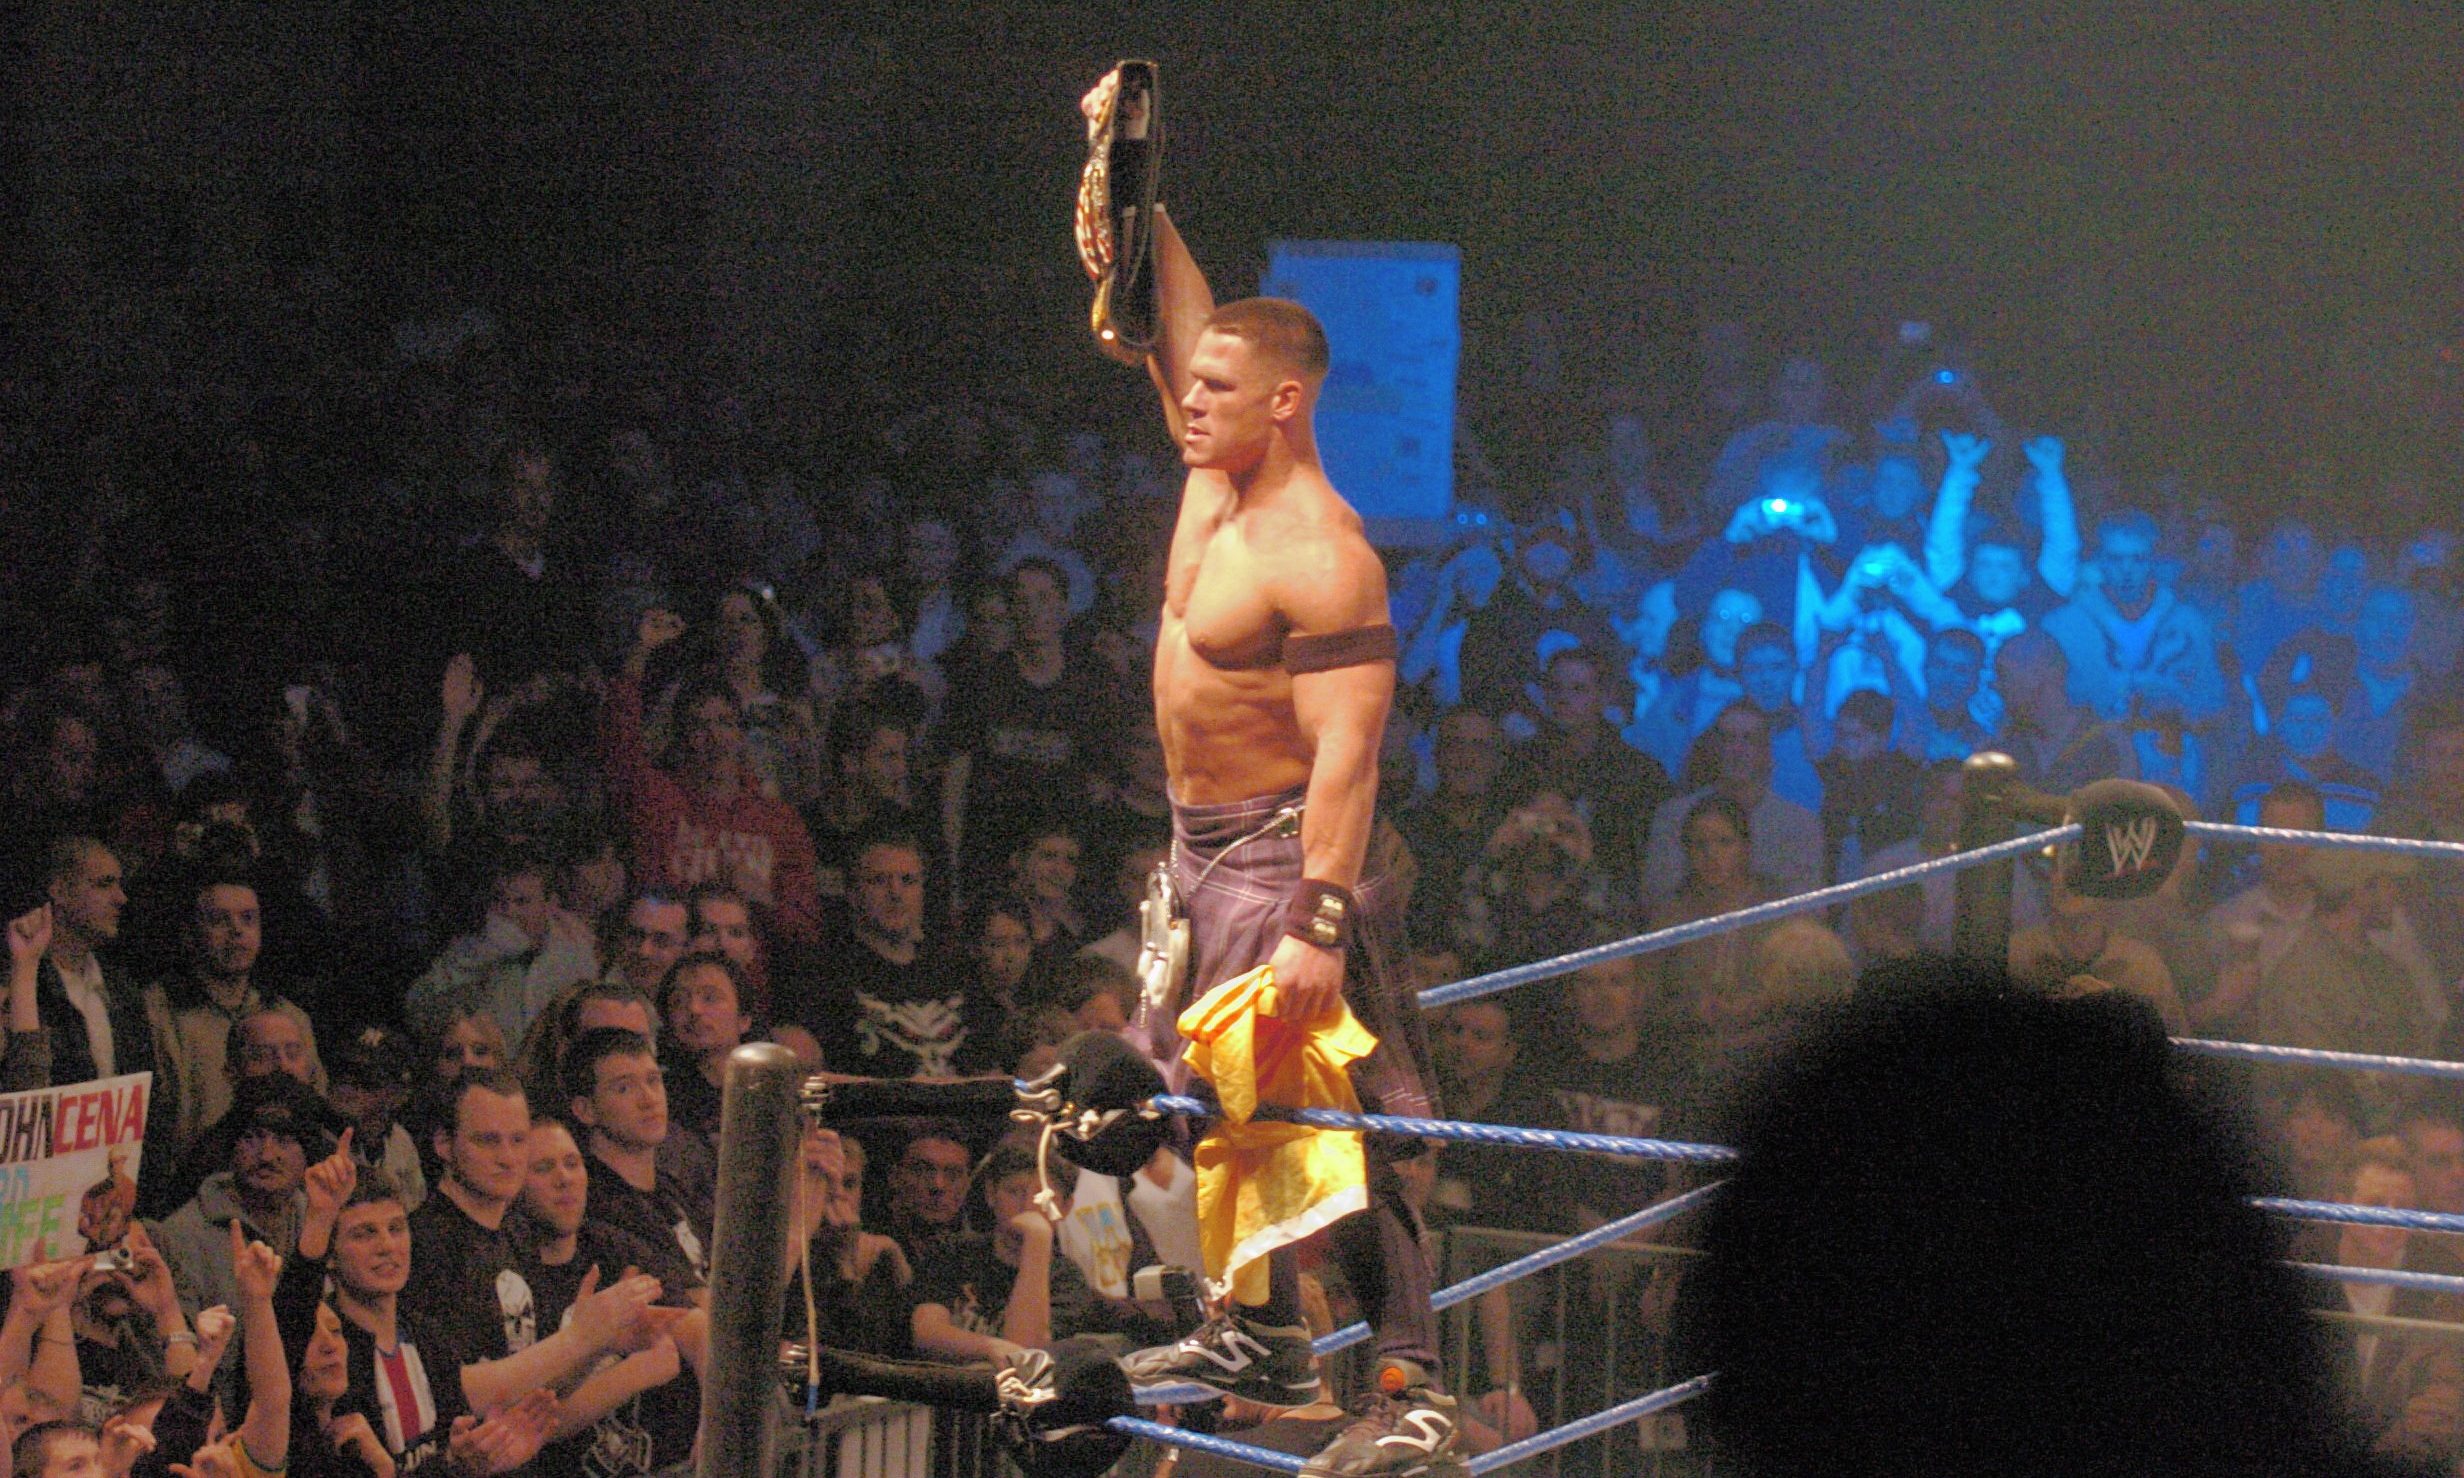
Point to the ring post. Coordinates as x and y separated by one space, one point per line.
1982 930
758 1140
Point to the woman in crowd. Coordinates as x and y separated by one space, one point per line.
1717 836
747 650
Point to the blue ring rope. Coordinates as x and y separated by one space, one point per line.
1761 913
2362 1216
2420 1067
1590 1426
2351 840
1225 1447
2384 1277
1511 1135
1477 1284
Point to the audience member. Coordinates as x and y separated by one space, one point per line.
258 1187
2429 804
889 1002
223 938
708 820
648 942
617 1099
1871 793
638 1415
1785 839
371 1091
2077 951
928 1190
1449 830
2134 648
988 1295
2331 985
1031 728
1043 874
1538 890
513 966
98 1020
702 1004
860 1278
1626 1074
465 1245
1483 1079
1944 726
1717 840
2058 744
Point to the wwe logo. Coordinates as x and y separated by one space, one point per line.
2132 844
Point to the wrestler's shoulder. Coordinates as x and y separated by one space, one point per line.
1317 519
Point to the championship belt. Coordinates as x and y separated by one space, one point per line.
1116 209
1163 943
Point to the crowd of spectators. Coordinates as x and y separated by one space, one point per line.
429 765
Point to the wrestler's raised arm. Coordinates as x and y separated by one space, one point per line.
1183 301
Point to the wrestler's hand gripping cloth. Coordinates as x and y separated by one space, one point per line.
1263 1184
1116 208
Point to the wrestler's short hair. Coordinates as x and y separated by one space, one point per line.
1278 328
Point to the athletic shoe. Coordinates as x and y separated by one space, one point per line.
1406 1428
1270 1364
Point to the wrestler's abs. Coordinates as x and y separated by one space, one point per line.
1223 702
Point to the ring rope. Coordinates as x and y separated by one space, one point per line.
2422 1067
1213 1446
1476 1285
1761 913
1511 1135
1598 1422
2351 840
2362 1216
2384 1277
1533 1262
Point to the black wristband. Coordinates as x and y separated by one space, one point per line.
1320 914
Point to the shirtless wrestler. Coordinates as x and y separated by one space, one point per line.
1273 672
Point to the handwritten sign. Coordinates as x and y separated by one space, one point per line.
68 1166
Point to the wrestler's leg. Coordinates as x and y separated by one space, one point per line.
1379 1251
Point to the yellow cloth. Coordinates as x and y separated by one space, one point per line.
1264 1185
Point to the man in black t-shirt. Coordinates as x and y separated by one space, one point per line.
646 1404
888 1003
928 1191
975 1294
1482 1079
1580 755
1031 730
1618 1079
618 1097
467 1251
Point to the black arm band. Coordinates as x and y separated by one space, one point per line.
1333 649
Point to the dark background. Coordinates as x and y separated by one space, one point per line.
2216 241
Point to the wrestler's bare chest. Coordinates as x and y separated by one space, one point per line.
1222 699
